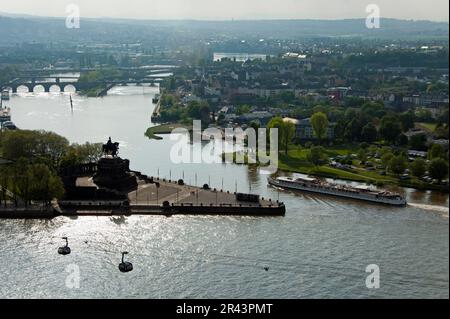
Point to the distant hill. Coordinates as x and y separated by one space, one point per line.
17 29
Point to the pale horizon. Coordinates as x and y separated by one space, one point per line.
214 10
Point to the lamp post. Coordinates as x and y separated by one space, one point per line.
157 195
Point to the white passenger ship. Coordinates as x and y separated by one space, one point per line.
314 185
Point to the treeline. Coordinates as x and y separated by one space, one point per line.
31 161
371 122
173 111
100 75
439 59
7 74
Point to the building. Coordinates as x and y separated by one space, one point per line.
338 94
304 130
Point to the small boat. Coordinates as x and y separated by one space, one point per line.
314 185
155 100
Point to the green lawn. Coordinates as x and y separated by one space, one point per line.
163 129
431 127
296 161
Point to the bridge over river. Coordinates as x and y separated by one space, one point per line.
63 82
46 79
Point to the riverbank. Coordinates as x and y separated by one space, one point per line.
158 197
98 91
152 132
296 162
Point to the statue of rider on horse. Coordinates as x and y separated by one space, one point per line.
111 148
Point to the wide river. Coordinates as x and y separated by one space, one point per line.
320 249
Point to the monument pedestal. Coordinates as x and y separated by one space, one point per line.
114 173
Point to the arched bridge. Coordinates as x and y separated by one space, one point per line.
31 83
63 82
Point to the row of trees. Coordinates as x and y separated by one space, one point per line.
370 121
33 160
286 129
436 167
24 182
173 111
7 74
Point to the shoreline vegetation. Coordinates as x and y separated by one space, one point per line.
296 162
31 165
99 76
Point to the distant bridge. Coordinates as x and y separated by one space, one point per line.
45 78
140 70
63 82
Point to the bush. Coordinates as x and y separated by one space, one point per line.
398 164
438 169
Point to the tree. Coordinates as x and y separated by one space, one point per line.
89 152
418 167
277 123
441 131
316 155
407 119
319 122
390 128
199 111
44 185
288 134
243 109
436 151
373 109
255 124
386 158
398 164
354 128
71 158
438 169
22 181
362 155
369 133
402 140
286 131
418 142
44 146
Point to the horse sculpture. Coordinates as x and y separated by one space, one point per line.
110 148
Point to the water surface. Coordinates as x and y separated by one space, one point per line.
320 249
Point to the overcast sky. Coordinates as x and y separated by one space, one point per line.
436 10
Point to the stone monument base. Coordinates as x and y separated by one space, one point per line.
114 173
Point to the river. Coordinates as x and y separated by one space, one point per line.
320 249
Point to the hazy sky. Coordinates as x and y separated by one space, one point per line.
233 9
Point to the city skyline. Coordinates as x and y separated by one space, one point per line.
434 10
